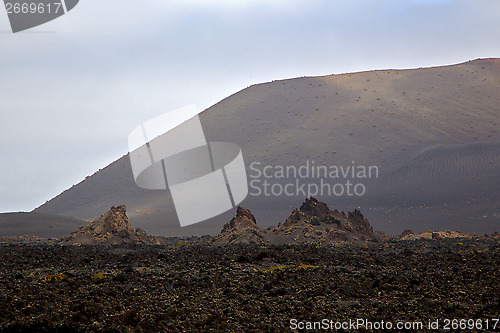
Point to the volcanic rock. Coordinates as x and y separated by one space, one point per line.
436 235
110 228
203 288
242 229
312 223
315 223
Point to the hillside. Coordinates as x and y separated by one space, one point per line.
36 224
433 133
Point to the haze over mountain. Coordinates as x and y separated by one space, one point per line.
433 133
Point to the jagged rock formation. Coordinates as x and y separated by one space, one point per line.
242 229
312 223
315 223
111 228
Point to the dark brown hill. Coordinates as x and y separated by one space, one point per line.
433 133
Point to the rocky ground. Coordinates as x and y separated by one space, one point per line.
202 288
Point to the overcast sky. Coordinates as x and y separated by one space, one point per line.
73 89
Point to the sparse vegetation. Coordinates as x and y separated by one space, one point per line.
55 277
273 269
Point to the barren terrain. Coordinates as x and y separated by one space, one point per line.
191 288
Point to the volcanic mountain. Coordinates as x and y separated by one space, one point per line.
430 135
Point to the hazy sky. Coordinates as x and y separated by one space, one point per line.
73 89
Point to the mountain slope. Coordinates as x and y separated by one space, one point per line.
36 224
433 133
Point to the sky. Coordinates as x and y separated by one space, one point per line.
73 89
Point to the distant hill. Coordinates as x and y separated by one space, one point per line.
37 224
433 133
